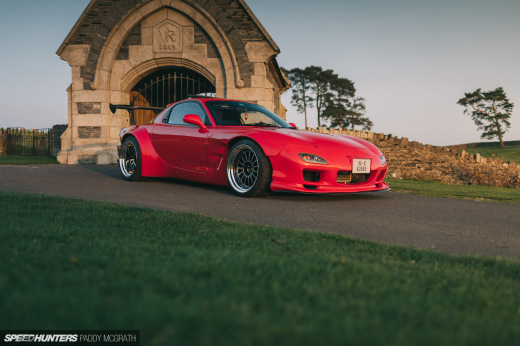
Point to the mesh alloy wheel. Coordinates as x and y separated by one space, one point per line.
248 169
130 159
242 168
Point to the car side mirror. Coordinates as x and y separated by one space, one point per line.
293 125
194 120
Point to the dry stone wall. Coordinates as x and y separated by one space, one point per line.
416 161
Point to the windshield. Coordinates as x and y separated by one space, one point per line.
229 113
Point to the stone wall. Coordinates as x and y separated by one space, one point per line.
416 161
57 131
3 142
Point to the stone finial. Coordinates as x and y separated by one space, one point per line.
75 55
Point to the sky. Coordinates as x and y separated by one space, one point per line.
411 60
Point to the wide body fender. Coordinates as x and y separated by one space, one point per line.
152 165
220 141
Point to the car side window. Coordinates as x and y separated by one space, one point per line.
178 112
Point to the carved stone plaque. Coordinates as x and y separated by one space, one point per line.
167 37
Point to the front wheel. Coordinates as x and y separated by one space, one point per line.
130 159
248 169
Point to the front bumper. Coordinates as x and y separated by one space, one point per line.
280 187
291 174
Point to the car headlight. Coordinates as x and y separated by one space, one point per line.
383 160
313 158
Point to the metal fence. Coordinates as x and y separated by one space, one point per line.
28 142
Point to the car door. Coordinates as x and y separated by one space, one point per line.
180 144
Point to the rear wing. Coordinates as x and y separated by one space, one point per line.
131 109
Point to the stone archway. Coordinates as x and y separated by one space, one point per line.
114 46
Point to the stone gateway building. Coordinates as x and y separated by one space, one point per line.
155 52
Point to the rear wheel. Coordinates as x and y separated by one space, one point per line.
248 169
130 159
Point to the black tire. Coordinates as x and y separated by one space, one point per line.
248 170
130 159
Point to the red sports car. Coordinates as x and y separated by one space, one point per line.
248 148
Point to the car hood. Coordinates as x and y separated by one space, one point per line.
320 139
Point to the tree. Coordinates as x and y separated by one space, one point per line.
300 84
355 114
490 110
343 109
320 85
333 97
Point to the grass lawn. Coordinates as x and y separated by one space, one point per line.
508 153
186 279
26 160
435 189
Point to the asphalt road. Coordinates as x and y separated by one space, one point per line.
453 226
